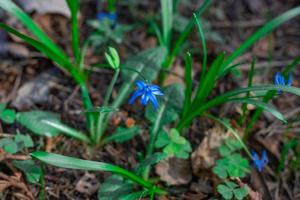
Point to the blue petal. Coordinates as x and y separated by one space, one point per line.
135 94
153 101
278 79
156 91
140 84
145 98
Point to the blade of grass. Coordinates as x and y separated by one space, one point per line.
167 20
209 80
16 11
267 28
203 43
68 131
267 107
179 41
250 80
200 108
233 131
74 8
75 163
60 59
188 83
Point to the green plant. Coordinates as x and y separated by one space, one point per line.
230 166
79 164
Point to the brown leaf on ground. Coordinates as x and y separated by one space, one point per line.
207 152
46 6
176 75
88 184
174 171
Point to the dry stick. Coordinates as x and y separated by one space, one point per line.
14 181
6 156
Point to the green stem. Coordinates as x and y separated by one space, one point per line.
87 104
100 129
153 136
42 180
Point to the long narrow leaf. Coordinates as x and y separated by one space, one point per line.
199 108
16 11
53 55
67 130
167 20
209 80
75 163
203 43
185 33
263 105
74 7
233 131
188 84
267 28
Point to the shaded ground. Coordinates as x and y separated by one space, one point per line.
233 20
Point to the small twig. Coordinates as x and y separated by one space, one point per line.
6 135
6 156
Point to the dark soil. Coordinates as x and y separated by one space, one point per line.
233 20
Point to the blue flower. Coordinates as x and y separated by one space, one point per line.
147 93
260 163
110 16
280 80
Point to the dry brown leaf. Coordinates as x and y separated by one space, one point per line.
207 152
46 6
87 184
176 75
174 171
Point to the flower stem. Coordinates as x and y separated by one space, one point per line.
102 117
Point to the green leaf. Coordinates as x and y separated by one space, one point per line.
225 191
113 188
102 109
112 57
167 20
25 139
267 28
185 33
204 50
35 122
74 6
16 11
54 55
169 106
220 171
8 145
31 170
209 81
57 126
267 107
188 84
177 146
147 63
225 150
122 134
240 193
2 107
75 163
11 148
162 139
231 185
8 116
151 160
235 165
